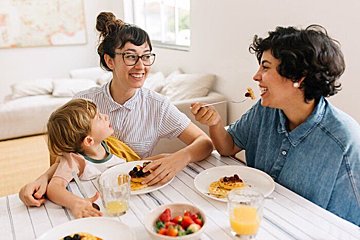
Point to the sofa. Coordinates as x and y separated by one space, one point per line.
26 111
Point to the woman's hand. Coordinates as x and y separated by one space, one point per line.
164 167
221 139
205 115
82 207
32 194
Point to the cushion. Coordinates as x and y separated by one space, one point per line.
27 116
87 73
185 86
104 78
67 87
173 74
155 81
32 88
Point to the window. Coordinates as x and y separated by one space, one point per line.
166 21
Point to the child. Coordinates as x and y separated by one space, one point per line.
81 139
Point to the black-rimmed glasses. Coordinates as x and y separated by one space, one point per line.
130 59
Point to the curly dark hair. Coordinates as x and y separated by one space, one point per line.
114 33
305 53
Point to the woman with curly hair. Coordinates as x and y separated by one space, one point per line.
293 133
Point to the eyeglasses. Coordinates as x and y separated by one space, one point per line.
131 59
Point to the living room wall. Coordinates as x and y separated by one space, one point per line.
221 32
26 64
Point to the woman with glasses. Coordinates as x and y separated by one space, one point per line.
293 133
140 117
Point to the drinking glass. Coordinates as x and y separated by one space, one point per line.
115 193
245 208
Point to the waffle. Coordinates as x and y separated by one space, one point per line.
217 191
137 186
137 176
250 93
137 179
224 185
231 183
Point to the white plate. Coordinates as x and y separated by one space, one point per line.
105 228
254 178
126 168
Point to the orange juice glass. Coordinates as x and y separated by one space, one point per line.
115 193
245 212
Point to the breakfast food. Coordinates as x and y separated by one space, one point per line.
137 176
231 182
224 185
81 236
250 93
137 186
217 191
179 225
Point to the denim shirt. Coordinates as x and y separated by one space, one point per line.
319 160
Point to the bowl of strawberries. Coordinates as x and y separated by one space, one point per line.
175 221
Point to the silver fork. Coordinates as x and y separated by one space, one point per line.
230 101
82 189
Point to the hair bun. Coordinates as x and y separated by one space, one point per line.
106 23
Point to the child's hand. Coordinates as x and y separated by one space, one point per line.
82 207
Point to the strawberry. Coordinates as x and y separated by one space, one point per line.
194 216
167 224
177 219
186 221
198 221
165 216
187 213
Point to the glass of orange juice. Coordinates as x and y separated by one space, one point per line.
115 193
245 208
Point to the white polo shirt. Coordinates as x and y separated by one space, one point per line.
142 120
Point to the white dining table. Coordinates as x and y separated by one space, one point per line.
286 215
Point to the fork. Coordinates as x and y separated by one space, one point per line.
230 101
224 196
82 190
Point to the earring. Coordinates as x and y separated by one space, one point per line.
296 85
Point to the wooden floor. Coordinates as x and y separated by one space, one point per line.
21 161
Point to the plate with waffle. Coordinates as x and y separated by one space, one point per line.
217 182
134 169
92 228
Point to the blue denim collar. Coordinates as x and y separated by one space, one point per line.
299 133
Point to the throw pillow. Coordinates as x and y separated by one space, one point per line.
185 86
173 74
104 78
31 88
67 87
155 81
87 73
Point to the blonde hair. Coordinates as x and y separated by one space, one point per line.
69 125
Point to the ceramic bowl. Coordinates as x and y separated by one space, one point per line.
176 209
